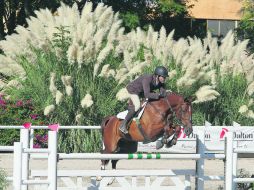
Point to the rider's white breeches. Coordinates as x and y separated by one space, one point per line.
135 100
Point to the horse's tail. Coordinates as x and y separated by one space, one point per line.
104 123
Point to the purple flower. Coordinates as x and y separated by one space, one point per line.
2 102
38 137
36 145
44 139
34 116
19 103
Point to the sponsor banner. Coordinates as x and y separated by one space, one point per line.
214 140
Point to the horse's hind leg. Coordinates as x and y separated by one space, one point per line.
109 148
124 147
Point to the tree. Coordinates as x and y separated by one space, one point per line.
14 12
2 32
170 13
246 25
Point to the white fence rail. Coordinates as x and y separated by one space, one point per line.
22 149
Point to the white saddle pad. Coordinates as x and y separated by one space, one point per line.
123 114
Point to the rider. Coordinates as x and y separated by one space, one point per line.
144 86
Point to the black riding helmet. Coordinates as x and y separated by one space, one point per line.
161 71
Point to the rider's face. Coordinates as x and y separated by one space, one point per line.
162 79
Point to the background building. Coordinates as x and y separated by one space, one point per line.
219 16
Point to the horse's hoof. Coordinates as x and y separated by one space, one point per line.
171 143
111 180
98 178
159 145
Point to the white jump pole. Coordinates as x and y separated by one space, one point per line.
229 161
17 166
200 162
52 160
24 138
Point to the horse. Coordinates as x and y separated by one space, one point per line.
161 118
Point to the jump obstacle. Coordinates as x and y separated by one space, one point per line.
21 180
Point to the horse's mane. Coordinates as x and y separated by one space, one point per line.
174 93
189 100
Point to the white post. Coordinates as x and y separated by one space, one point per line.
229 161
200 162
17 166
31 144
52 160
235 157
24 138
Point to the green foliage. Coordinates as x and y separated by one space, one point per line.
224 109
176 7
3 181
130 20
171 14
245 28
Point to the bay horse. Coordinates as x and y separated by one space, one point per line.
161 118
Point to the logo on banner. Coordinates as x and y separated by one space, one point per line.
223 132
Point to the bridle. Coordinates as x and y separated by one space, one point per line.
176 120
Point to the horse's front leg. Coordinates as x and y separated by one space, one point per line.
103 166
167 136
173 141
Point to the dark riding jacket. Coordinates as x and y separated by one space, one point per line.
144 86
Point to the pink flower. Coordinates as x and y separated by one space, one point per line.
27 125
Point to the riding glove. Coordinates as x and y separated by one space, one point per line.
162 95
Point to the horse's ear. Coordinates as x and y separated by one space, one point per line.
189 99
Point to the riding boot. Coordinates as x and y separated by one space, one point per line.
128 118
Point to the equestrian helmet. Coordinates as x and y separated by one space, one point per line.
161 71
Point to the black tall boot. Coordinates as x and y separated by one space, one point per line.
128 118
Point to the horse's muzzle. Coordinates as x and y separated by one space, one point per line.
188 130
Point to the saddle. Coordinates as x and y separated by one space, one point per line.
136 118
138 114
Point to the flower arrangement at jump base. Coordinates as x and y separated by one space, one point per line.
41 139
73 65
